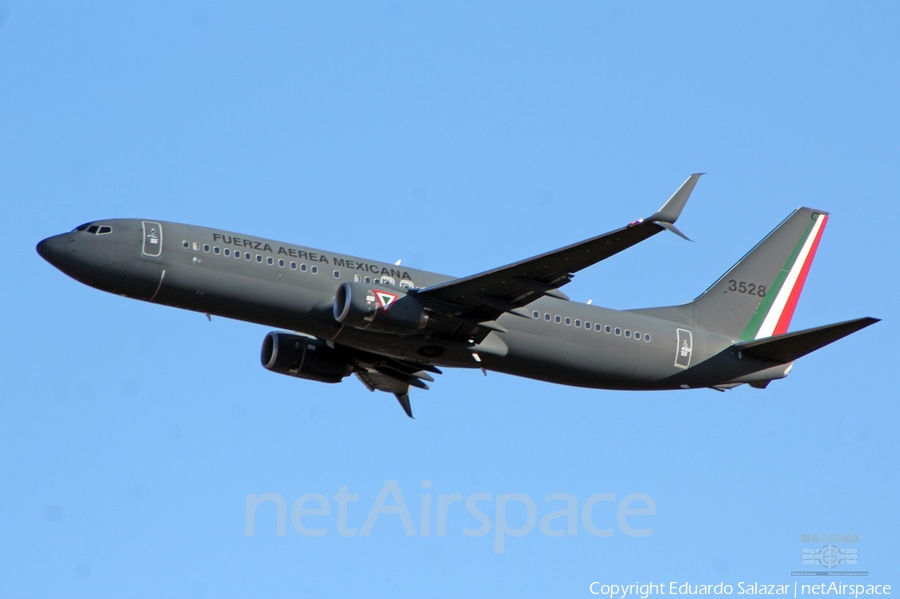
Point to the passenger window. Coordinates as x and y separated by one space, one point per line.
608 329
227 252
598 327
246 255
258 258
337 274
206 247
618 331
547 316
368 279
237 255
281 262
303 268
628 333
293 266
314 269
185 244
587 325
578 323
558 318
270 260
377 281
216 250
356 278
637 335
646 336
536 314
104 230
196 246
568 321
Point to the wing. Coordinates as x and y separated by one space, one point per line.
381 373
471 305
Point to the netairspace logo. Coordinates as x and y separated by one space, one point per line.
644 591
312 514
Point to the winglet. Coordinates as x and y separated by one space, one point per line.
671 210
403 398
673 229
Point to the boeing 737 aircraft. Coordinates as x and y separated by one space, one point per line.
393 326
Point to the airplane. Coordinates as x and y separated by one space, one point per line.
394 327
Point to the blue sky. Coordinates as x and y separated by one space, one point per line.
457 137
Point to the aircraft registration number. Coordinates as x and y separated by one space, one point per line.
748 288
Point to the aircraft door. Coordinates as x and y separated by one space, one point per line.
153 239
684 348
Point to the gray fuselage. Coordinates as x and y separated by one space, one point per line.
293 287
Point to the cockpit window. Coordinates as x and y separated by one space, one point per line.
95 229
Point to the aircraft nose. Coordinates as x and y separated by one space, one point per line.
55 249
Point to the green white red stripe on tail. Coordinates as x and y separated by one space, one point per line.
773 315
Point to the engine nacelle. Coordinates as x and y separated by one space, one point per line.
304 357
378 308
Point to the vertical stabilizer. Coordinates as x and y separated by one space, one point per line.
756 298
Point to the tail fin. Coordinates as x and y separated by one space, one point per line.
757 296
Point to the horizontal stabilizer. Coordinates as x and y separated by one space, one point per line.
790 346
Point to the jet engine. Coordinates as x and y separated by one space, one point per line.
378 308
304 357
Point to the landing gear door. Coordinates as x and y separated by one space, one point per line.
153 239
684 349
